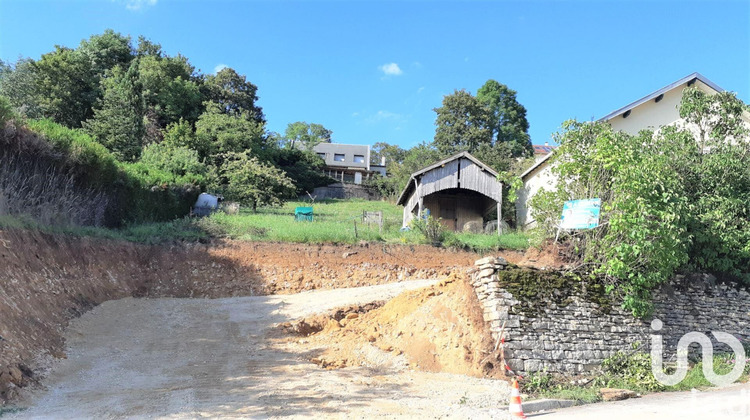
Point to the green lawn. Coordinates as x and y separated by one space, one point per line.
334 223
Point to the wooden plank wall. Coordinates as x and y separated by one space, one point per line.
440 178
474 178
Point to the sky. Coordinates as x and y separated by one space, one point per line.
374 71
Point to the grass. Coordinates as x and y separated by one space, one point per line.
544 385
334 223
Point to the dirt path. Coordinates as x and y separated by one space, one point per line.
192 358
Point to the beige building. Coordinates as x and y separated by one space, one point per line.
348 163
655 110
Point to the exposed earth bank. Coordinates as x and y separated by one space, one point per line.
47 280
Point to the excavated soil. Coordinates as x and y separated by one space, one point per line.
435 329
47 280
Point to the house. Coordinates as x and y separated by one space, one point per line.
655 110
458 190
348 163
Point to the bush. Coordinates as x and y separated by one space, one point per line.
672 199
6 111
430 228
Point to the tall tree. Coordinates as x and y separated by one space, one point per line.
306 136
67 86
118 118
19 84
234 95
461 124
392 153
507 118
219 133
107 50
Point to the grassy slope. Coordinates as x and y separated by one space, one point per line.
334 223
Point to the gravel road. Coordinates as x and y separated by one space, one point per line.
221 358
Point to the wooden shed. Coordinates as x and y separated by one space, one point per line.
458 190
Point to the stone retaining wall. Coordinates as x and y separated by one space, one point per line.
577 337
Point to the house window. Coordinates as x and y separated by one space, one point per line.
338 157
322 156
359 159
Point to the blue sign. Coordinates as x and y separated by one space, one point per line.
581 214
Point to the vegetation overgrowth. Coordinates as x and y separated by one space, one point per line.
675 199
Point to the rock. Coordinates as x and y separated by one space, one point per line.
485 260
352 315
15 375
486 272
348 254
614 394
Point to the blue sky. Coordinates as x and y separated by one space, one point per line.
373 71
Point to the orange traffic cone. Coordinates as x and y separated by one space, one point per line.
516 410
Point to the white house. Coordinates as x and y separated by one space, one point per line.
655 110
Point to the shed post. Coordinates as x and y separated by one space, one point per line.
499 215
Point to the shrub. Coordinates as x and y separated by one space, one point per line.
430 228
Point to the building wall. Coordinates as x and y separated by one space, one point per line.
469 207
328 152
542 177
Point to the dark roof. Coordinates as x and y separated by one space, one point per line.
542 149
467 155
684 80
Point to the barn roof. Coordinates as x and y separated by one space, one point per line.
410 185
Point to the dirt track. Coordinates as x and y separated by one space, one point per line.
189 358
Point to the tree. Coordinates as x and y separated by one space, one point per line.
306 136
18 83
233 94
66 86
392 153
106 51
170 91
507 118
218 133
253 182
461 124
118 119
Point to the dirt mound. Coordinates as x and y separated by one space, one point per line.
549 255
436 329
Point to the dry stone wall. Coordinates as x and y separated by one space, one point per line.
576 337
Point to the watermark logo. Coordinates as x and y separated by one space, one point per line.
707 349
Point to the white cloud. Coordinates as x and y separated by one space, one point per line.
381 116
219 67
420 90
137 4
391 69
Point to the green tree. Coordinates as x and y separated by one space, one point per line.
18 83
461 124
306 136
66 86
507 119
118 119
233 94
250 181
392 153
170 90
221 133
106 51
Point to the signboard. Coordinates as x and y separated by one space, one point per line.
581 214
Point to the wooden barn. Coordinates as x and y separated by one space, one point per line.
458 190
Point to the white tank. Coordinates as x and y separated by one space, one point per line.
207 201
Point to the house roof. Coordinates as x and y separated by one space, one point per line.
410 185
543 149
685 80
